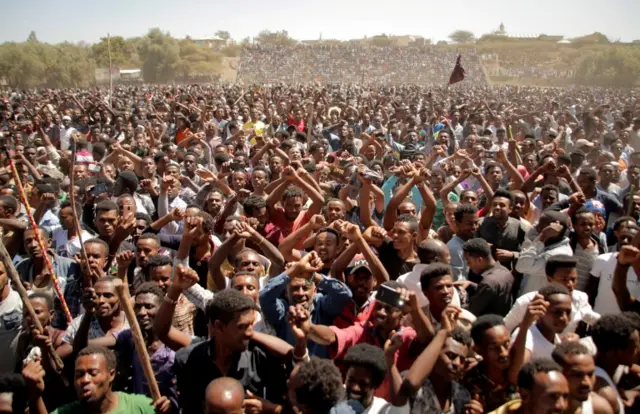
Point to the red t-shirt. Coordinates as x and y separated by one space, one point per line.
299 125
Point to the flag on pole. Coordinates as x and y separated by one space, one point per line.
458 72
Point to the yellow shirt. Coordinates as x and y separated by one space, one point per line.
258 127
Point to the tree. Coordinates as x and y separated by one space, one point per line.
124 53
462 36
196 61
160 54
223 34
32 37
614 67
267 37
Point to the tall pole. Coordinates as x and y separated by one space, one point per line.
110 74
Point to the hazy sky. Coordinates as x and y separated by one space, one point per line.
75 20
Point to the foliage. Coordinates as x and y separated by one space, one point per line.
223 34
267 37
462 36
615 67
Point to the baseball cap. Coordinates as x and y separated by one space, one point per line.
596 206
552 133
358 262
66 118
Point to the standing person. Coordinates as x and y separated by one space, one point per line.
10 321
95 371
504 232
65 240
617 343
551 241
543 389
578 366
323 297
148 297
493 282
231 351
466 217
585 244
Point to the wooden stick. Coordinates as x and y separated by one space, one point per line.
57 364
87 276
141 347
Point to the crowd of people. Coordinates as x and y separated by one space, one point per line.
349 63
320 249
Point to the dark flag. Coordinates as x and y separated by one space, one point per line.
458 72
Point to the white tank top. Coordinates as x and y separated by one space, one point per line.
601 373
587 407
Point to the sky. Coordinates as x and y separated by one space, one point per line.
75 20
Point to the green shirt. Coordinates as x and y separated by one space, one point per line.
127 404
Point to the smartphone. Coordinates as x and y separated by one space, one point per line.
94 168
389 296
98 189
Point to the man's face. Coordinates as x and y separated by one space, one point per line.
358 383
106 222
214 203
161 275
108 302
495 346
42 311
451 361
550 393
567 277
146 308
96 254
335 211
548 197
146 248
579 370
31 243
301 292
239 180
439 292
66 218
361 284
501 208
292 207
92 378
149 167
607 172
259 180
585 181
80 172
190 163
626 236
407 207
558 314
584 225
468 227
247 285
30 154
386 317
249 261
237 333
325 245
275 164
494 175
402 235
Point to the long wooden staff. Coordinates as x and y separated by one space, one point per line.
57 364
36 232
76 221
141 347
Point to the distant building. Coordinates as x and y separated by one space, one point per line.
214 43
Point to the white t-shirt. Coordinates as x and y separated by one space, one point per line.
66 248
603 268
382 406
536 343
10 323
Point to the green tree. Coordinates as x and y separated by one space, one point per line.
223 34
124 53
196 60
160 55
267 37
614 67
462 36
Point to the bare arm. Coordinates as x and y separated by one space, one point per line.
391 212
342 262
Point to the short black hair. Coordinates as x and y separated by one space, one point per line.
561 261
477 247
430 250
553 289
409 219
461 336
463 209
550 187
106 205
434 271
504 194
9 202
292 192
483 324
208 222
330 231
143 216
370 357
15 384
151 236
253 203
226 304
108 354
152 288
621 220
101 242
527 374
159 260
612 332
320 386
565 349
41 295
590 172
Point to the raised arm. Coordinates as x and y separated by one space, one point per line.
512 171
391 213
288 245
352 232
626 257
183 278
